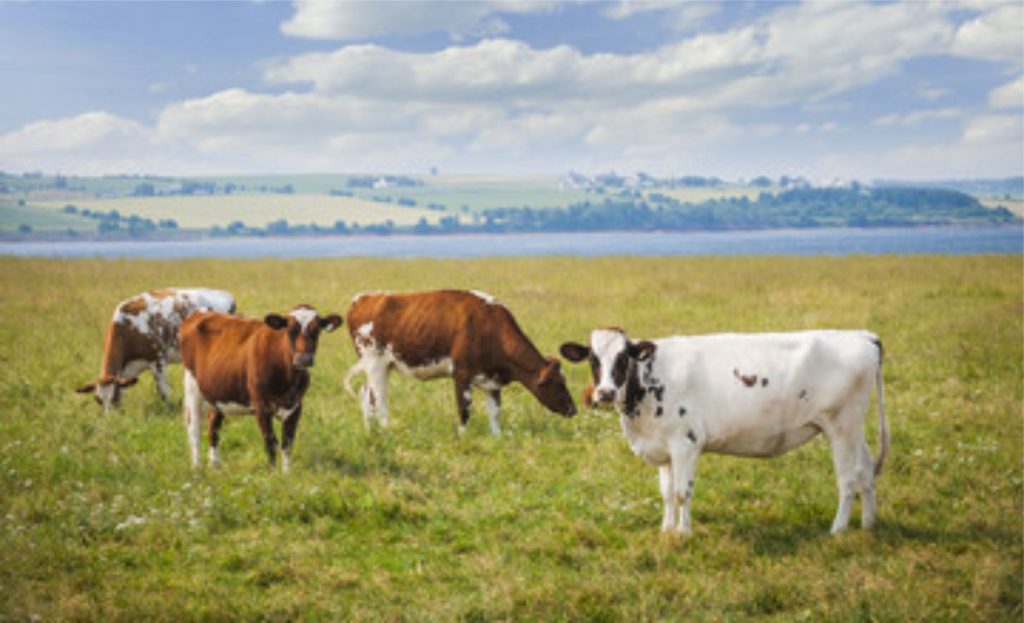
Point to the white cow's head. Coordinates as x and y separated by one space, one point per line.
613 361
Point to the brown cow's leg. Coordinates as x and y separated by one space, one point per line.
291 423
216 419
264 418
463 399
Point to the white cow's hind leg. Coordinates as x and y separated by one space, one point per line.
193 407
845 447
866 475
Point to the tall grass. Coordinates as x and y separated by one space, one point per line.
101 518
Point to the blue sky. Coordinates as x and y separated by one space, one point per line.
851 90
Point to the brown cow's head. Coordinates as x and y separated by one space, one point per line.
303 325
106 390
549 387
613 358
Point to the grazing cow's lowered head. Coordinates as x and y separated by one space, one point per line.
143 335
106 390
613 362
303 325
551 390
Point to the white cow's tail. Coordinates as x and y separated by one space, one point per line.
883 428
354 370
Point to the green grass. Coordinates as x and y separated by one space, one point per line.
102 518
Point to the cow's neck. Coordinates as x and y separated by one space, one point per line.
113 353
525 361
637 388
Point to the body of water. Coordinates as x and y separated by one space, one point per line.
808 242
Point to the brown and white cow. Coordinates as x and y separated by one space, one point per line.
468 336
242 365
143 334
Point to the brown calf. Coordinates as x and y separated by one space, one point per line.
143 333
468 336
240 365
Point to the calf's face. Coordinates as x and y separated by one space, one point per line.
303 326
613 358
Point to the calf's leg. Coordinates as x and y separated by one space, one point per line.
374 395
288 428
266 422
668 497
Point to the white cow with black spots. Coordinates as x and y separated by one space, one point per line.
757 395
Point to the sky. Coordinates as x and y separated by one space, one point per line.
823 89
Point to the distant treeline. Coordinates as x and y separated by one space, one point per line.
798 208
802 207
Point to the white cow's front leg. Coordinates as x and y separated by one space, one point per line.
668 497
684 475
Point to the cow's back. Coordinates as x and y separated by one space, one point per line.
422 326
212 338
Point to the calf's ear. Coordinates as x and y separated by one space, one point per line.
641 351
331 322
574 352
123 382
275 321
86 389
549 372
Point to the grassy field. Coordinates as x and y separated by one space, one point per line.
102 518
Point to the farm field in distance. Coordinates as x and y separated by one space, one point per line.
102 518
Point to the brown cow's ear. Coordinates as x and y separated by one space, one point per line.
123 382
86 389
641 351
574 352
331 322
275 321
549 372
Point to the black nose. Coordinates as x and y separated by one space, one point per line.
303 360
571 411
605 395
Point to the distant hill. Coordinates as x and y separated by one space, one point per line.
1005 188
150 207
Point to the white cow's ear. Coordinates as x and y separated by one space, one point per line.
641 351
574 352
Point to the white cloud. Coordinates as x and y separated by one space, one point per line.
1008 96
917 116
501 104
994 35
317 19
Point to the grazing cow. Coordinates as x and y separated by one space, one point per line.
241 365
468 336
757 395
144 334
